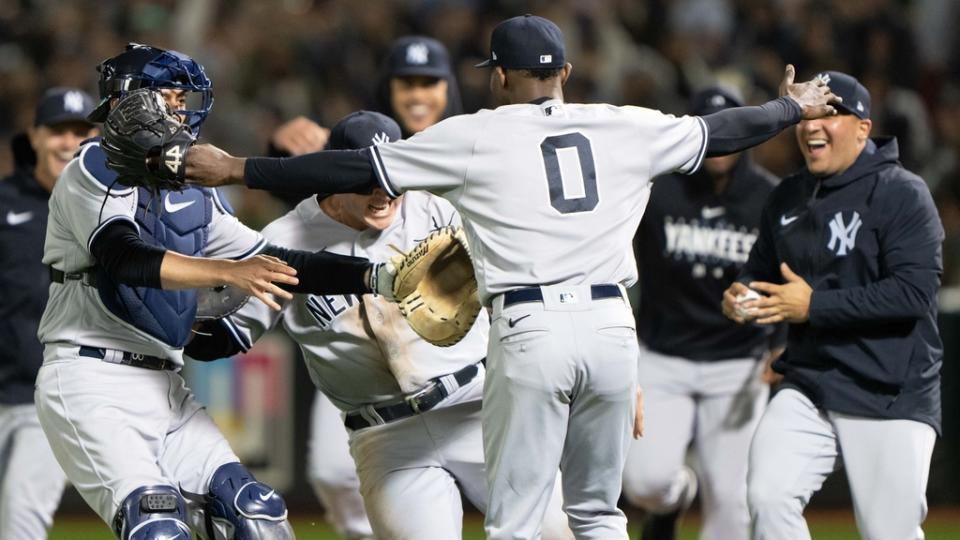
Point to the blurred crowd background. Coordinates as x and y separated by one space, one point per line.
271 60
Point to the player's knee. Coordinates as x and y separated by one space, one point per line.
647 487
766 499
152 513
241 508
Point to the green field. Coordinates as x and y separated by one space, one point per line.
942 524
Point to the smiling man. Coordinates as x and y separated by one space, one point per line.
849 254
30 479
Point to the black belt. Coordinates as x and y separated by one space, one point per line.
88 277
424 400
534 294
129 358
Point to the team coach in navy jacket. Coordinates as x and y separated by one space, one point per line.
849 253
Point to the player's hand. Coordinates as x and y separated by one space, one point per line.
789 302
729 303
300 136
638 418
258 276
814 97
769 376
210 166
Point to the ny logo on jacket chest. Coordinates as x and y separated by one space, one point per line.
843 236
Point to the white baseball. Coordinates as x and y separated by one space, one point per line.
746 313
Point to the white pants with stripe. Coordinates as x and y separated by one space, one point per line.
31 481
560 392
797 446
115 428
332 472
715 406
413 471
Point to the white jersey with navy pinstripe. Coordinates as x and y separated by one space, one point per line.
80 208
359 351
549 193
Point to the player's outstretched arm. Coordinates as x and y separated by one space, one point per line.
259 276
329 171
738 128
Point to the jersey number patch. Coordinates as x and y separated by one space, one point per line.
588 173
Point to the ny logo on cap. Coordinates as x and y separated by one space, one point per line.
717 101
843 236
494 54
380 138
824 78
73 101
546 58
418 54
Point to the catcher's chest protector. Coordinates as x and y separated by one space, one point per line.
176 221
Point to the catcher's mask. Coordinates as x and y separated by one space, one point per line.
143 66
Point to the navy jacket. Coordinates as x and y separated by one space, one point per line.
868 241
23 281
691 245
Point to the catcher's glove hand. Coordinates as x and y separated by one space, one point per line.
145 143
219 302
434 287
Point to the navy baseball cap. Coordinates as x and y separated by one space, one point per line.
362 129
714 99
63 104
418 55
856 98
526 42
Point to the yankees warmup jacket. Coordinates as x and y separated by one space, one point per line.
868 241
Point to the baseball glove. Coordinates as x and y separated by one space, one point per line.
436 289
219 302
145 143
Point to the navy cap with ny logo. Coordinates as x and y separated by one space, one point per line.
856 98
526 42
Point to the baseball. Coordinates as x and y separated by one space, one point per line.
746 313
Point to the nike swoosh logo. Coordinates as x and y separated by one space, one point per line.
513 322
15 218
263 497
712 212
172 207
784 220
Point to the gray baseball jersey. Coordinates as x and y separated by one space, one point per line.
80 208
360 351
584 175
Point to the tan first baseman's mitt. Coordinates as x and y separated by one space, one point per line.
436 289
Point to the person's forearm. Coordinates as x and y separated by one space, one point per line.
184 272
324 273
330 171
734 130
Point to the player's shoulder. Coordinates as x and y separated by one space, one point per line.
422 203
88 171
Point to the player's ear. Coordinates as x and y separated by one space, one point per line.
499 77
565 72
863 131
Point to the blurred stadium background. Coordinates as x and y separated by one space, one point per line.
271 60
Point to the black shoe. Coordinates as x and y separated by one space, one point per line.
667 526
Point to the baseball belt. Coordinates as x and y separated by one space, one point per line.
534 294
87 277
438 389
128 358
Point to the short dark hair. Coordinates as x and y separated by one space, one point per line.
542 74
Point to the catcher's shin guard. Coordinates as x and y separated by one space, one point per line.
237 507
152 513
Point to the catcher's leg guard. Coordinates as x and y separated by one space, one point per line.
240 508
152 513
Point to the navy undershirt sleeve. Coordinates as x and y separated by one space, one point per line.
734 130
323 273
125 257
329 171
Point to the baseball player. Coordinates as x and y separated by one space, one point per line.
550 194
124 262
31 482
698 369
417 88
849 254
413 409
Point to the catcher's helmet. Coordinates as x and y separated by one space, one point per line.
143 66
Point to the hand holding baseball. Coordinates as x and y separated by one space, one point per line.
738 303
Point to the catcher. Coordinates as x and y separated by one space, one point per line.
127 245
412 409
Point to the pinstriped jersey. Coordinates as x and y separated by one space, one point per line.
550 193
359 350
